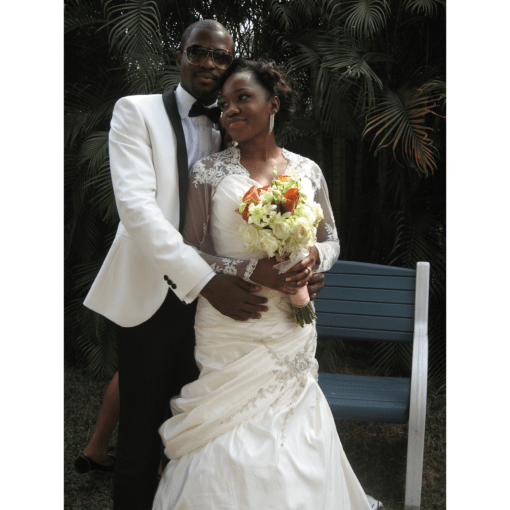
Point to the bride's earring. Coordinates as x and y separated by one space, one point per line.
271 123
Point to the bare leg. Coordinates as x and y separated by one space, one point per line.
97 449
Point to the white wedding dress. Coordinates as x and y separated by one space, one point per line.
255 430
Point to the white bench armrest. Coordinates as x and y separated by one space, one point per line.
418 403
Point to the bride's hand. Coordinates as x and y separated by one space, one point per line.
265 274
301 273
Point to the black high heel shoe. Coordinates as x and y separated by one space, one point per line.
84 464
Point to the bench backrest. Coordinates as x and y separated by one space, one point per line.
367 302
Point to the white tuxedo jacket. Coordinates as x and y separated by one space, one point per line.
130 286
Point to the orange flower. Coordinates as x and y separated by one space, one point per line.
251 197
283 178
291 197
244 214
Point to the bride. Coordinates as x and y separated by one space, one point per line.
254 431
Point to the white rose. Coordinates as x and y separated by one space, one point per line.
268 242
282 230
308 213
250 234
301 232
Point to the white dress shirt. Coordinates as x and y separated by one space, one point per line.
203 138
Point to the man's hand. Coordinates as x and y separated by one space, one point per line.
234 297
265 274
315 285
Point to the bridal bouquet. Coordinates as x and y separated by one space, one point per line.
281 221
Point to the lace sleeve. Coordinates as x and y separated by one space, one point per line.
328 244
197 226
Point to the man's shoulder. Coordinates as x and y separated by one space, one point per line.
140 100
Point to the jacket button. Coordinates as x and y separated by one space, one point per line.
173 286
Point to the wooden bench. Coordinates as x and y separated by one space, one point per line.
372 302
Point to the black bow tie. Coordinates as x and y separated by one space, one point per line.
199 109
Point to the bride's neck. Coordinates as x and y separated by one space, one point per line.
260 149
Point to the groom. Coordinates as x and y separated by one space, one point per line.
153 141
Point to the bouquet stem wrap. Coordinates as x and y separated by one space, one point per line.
301 304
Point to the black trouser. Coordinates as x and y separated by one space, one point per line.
156 359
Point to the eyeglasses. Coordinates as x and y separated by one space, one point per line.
196 54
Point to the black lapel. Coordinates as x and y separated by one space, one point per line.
182 153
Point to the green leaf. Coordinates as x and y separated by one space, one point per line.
365 18
400 122
134 27
428 7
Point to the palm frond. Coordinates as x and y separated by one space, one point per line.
71 171
390 358
94 156
428 7
143 73
85 111
76 206
170 76
94 150
353 61
328 354
338 105
97 342
420 236
134 27
365 18
87 238
81 14
356 68
306 56
342 64
84 275
89 337
400 119
103 198
282 14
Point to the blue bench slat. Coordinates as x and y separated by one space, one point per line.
361 387
369 295
363 308
362 398
362 334
348 267
355 410
365 322
371 282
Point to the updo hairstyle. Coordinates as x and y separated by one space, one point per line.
273 78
